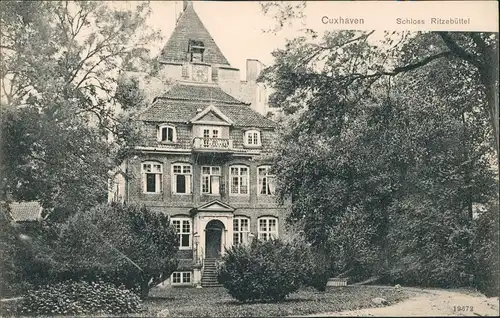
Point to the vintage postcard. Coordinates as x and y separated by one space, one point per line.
249 158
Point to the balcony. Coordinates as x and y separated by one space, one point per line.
212 144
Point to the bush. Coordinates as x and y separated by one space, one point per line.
9 248
124 244
80 298
267 270
486 252
120 244
315 269
15 253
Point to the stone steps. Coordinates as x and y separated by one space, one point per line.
209 278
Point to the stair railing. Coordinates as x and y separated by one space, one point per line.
201 260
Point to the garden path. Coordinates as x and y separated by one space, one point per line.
431 303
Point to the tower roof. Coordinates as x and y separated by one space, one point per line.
190 29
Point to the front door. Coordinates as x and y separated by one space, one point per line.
213 239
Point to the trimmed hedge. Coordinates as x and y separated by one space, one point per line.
80 298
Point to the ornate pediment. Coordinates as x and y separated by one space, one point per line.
211 115
213 206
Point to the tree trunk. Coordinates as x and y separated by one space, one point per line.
489 78
144 292
492 99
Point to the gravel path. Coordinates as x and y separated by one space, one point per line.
431 303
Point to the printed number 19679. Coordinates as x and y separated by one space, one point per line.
463 308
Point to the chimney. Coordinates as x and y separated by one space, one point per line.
253 70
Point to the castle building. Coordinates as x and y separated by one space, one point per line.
206 159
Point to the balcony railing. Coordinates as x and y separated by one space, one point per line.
201 143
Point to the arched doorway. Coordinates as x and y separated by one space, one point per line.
213 238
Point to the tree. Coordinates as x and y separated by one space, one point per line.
402 51
487 251
372 163
60 66
62 167
122 244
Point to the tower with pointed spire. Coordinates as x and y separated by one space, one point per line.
205 161
191 54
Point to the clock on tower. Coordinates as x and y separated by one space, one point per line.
200 73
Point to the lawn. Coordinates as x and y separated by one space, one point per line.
216 302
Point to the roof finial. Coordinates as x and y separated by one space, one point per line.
187 3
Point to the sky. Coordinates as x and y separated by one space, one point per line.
237 28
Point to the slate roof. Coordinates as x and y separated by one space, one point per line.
25 211
197 92
190 27
182 102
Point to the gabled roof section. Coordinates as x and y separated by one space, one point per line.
181 111
199 92
215 111
189 27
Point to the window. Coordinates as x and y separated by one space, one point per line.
252 138
241 230
167 134
152 174
197 56
183 228
268 228
239 180
210 137
265 181
181 178
210 180
195 51
181 278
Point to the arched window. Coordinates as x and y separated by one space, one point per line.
252 138
181 178
267 228
265 181
167 133
239 180
152 173
241 229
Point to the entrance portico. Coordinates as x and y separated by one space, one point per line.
213 223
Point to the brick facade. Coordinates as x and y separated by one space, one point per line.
195 106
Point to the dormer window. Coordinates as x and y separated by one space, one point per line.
167 133
195 51
252 138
